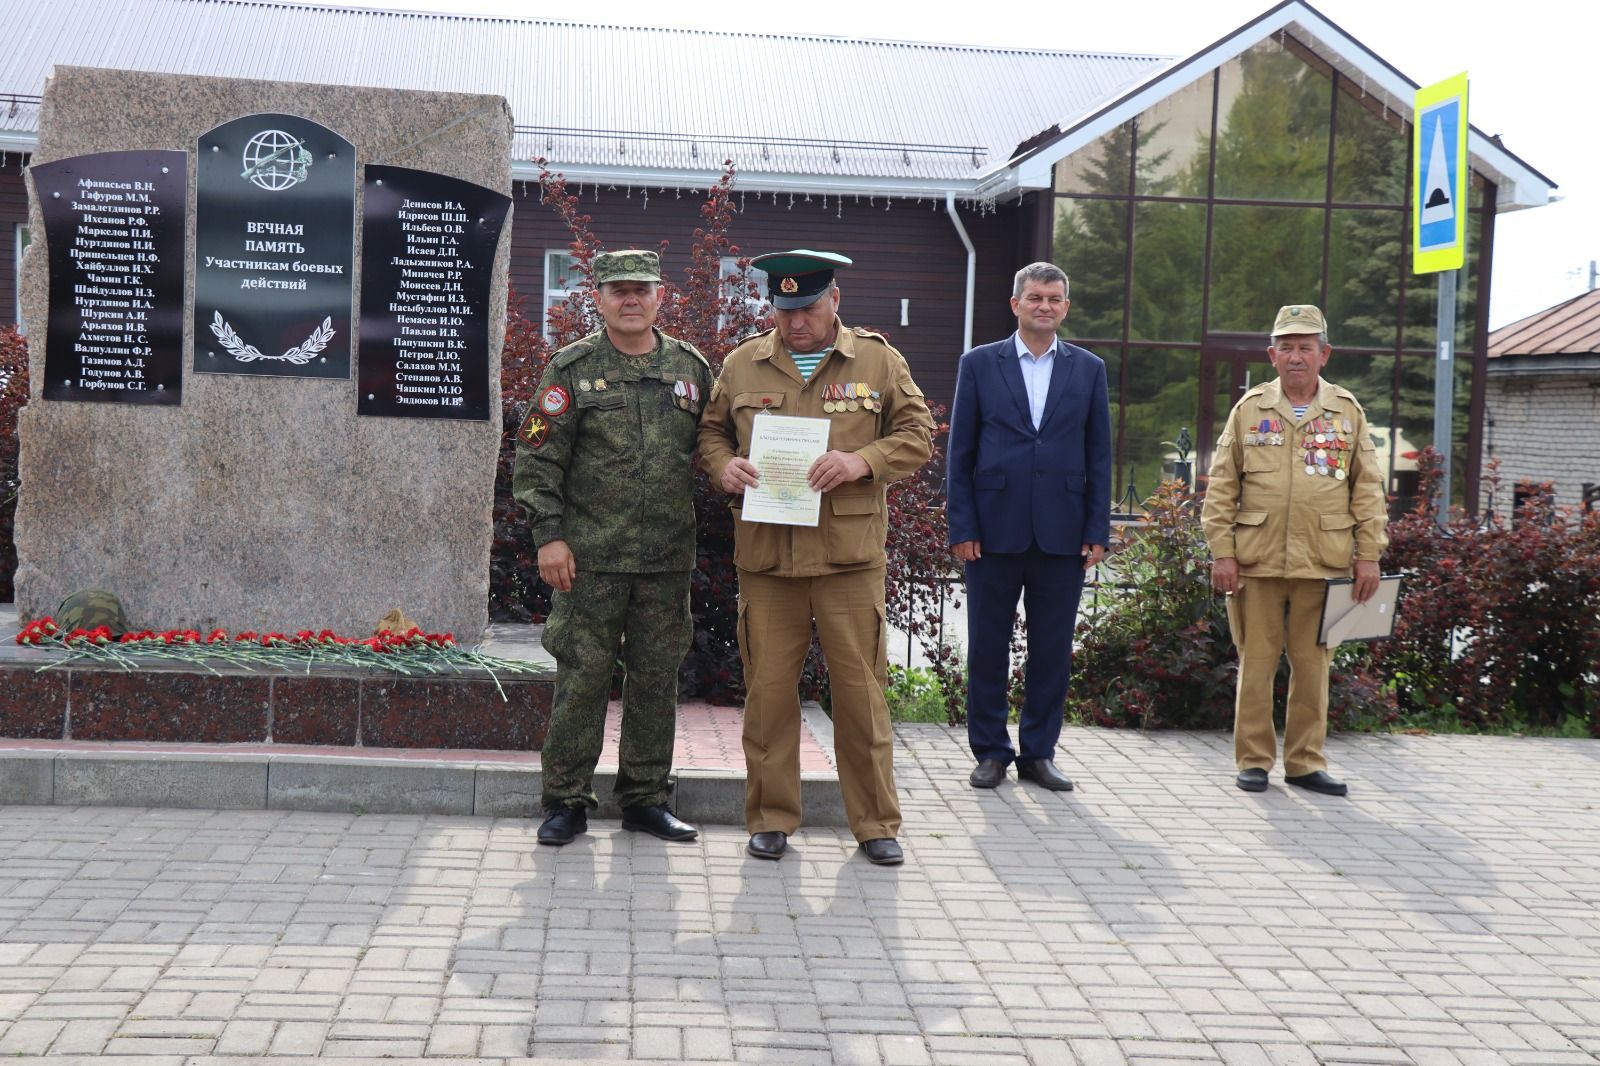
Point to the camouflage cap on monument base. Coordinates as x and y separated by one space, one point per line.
630 264
91 608
1298 318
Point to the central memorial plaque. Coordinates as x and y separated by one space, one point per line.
113 225
275 200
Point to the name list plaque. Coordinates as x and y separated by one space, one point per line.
427 254
274 224
113 225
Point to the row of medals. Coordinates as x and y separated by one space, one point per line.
851 396
1326 444
1327 448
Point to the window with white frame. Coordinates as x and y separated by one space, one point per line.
757 306
19 245
561 275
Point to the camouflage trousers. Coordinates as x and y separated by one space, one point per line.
649 615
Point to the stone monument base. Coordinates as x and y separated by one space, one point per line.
330 705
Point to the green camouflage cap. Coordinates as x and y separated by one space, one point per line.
91 608
630 264
1298 318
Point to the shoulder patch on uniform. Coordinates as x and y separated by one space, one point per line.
534 429
863 331
554 401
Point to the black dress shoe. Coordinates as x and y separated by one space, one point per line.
659 821
1252 780
769 845
561 824
1043 772
1319 781
883 851
988 773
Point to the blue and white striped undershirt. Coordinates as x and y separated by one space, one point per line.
807 364
1300 410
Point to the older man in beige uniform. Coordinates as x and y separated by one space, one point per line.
880 431
1295 497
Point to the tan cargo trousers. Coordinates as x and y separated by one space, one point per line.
775 615
1269 615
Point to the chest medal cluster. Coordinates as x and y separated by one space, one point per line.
851 396
686 394
1325 446
1269 432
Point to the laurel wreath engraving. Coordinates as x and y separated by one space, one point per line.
299 355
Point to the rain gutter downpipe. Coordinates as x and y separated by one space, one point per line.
972 267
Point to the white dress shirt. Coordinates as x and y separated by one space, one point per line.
1036 371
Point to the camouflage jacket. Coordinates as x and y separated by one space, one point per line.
605 454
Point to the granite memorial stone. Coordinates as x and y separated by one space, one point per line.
261 502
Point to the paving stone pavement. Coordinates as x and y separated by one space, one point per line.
1448 912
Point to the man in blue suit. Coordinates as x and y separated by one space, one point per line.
1029 507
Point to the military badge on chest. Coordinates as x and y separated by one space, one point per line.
686 394
1269 433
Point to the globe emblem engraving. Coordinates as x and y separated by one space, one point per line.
274 161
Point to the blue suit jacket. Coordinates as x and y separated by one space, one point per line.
1010 486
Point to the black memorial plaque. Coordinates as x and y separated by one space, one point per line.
275 199
113 224
427 254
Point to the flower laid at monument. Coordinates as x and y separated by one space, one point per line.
408 652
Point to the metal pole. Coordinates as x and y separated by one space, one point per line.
1444 387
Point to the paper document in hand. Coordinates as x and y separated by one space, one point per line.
1344 619
782 448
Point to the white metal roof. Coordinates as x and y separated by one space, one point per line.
661 106
612 101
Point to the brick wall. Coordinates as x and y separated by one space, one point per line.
1543 428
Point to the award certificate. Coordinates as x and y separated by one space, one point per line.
783 448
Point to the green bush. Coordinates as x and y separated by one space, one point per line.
915 695
1499 622
1158 653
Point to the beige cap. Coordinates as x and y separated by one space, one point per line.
1298 318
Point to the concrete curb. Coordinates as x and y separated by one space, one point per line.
370 784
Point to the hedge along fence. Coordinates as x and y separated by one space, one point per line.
1500 619
1499 625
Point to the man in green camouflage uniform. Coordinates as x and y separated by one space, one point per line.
605 471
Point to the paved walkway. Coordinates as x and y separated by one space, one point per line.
1448 912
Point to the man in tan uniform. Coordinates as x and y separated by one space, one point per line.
1295 495
880 431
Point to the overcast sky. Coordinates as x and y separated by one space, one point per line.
1531 66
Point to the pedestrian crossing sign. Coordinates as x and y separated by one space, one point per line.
1439 191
